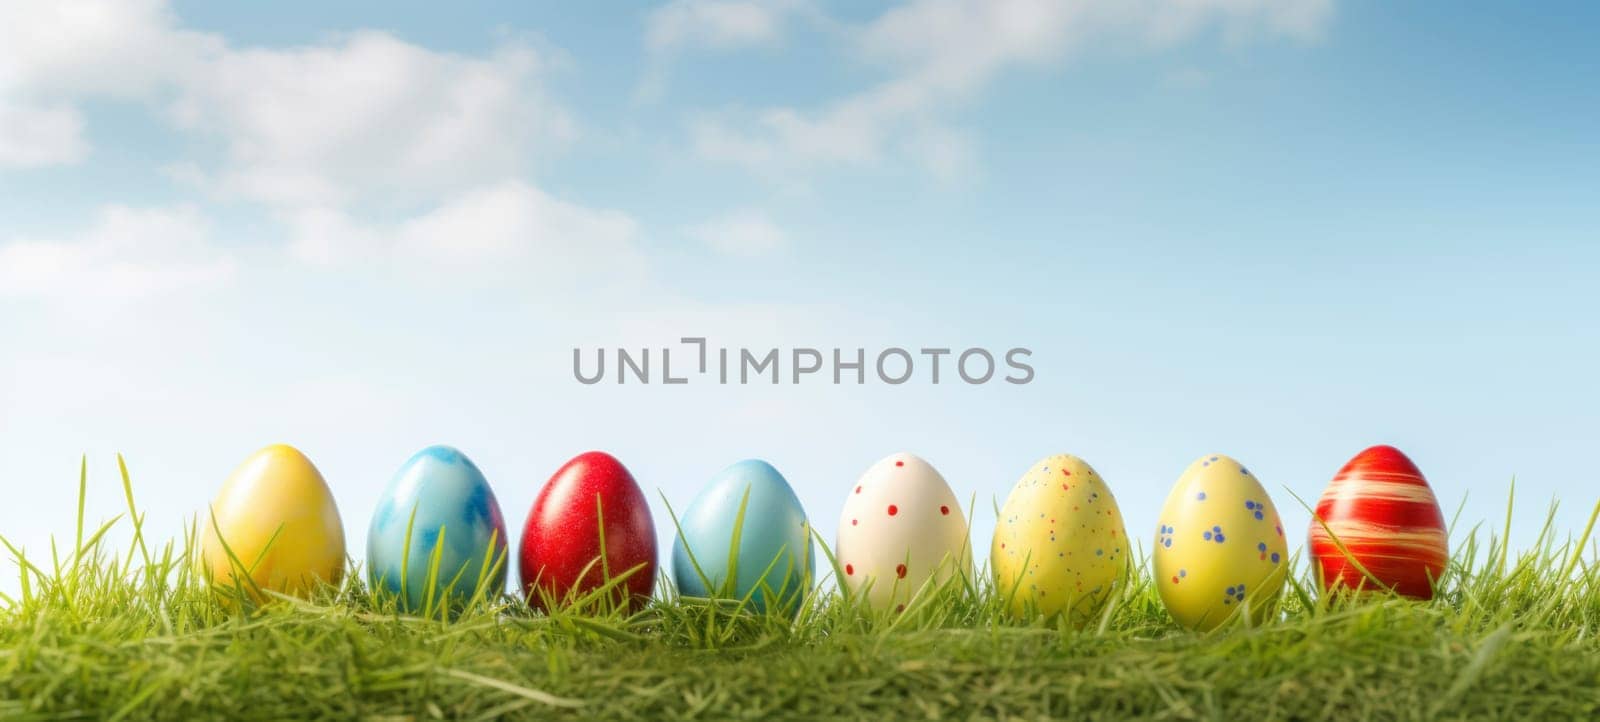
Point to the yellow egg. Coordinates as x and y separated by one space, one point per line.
1219 545
1059 543
277 516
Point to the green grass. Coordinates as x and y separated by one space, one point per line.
135 634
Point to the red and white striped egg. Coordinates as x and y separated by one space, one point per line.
1381 509
900 530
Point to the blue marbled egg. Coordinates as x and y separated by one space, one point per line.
455 512
774 556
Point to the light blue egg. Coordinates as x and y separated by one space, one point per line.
774 556
451 501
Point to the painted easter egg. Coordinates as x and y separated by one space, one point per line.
773 562
1059 543
278 518
560 558
901 529
437 505
1220 545
1383 512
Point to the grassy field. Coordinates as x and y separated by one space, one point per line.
134 634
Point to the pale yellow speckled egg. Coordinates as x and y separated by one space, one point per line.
1059 544
1219 545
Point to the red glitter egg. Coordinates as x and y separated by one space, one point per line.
1384 513
560 558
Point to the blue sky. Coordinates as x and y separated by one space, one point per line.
1278 230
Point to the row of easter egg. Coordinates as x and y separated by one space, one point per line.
1059 544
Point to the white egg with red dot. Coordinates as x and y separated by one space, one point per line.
901 528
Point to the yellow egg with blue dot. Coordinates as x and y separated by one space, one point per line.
1059 545
273 526
1219 546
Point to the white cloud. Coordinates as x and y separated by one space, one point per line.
128 254
959 44
1176 20
114 48
710 25
354 117
53 54
32 136
500 232
747 233
945 153
940 53
716 24
366 116
338 138
1189 79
